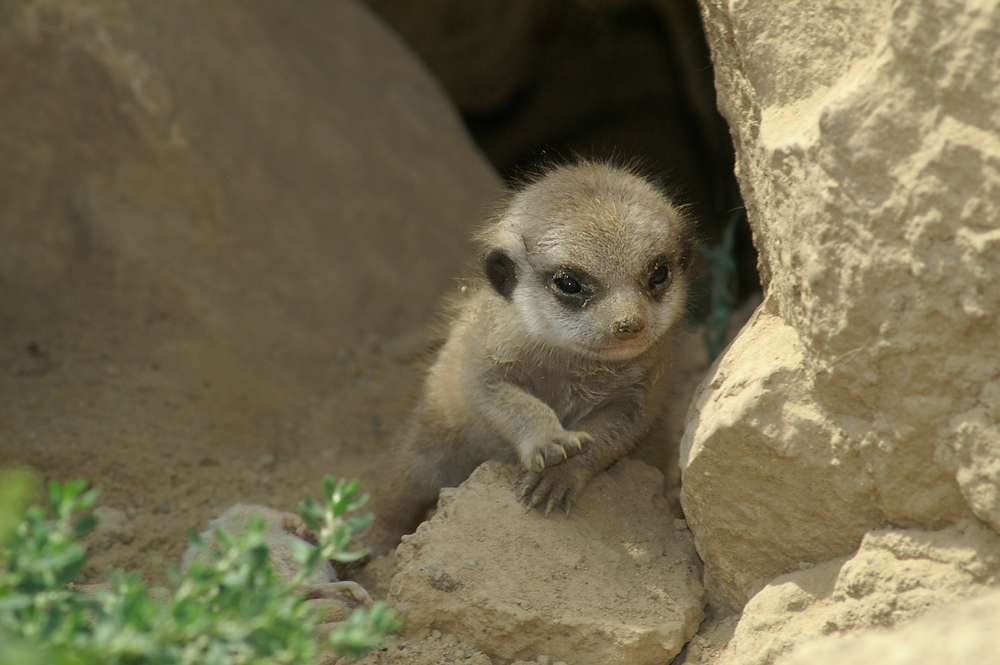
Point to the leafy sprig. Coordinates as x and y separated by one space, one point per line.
229 607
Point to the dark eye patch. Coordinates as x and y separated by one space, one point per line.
572 286
659 275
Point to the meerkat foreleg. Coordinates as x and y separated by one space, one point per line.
613 430
427 458
531 426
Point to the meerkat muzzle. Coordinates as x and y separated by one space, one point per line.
629 327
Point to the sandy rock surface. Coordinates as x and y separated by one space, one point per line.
482 52
955 633
225 230
615 582
895 576
864 391
113 527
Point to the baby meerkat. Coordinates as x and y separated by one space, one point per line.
558 353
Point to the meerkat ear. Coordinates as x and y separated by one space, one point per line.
501 271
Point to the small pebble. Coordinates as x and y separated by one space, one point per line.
113 526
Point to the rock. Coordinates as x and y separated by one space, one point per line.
482 52
534 73
613 583
376 575
282 531
712 638
864 390
895 576
975 454
230 204
113 526
956 633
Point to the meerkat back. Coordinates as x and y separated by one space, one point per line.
559 352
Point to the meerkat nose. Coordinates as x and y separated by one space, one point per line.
629 327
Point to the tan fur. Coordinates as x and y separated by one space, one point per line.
562 383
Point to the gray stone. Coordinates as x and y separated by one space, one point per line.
613 583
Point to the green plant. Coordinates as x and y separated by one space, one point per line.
228 607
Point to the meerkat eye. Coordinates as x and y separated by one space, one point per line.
567 284
659 276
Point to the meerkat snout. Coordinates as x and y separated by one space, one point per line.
558 354
629 327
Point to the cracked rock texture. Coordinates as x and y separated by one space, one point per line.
895 576
954 634
616 582
866 389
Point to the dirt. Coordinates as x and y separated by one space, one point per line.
617 581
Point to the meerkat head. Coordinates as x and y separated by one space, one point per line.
593 259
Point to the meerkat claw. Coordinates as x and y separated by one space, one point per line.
529 495
567 501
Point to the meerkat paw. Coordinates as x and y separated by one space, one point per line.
554 449
556 487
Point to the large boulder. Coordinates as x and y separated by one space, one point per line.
616 582
482 52
896 576
866 389
223 226
957 633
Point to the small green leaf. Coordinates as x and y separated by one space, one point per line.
312 513
348 557
359 523
328 487
300 550
84 526
229 606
